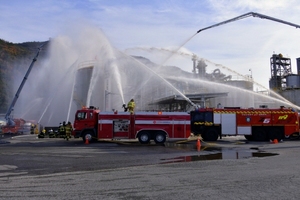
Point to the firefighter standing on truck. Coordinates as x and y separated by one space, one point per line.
68 129
131 106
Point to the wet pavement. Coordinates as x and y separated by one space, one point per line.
223 154
54 155
52 168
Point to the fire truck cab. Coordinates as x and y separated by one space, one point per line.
91 124
255 124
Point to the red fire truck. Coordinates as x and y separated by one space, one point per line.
18 128
255 124
91 124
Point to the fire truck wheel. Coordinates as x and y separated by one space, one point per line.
211 135
249 137
275 134
259 135
144 137
88 135
160 137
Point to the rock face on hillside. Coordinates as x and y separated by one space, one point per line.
15 60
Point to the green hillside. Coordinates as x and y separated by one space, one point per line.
14 57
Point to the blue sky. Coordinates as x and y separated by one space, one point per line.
242 45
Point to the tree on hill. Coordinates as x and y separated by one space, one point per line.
13 57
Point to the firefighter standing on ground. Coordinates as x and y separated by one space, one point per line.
32 128
62 130
68 129
42 133
51 133
131 106
36 130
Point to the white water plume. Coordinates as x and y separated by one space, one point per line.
154 51
237 97
84 69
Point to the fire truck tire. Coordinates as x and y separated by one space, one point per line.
275 134
259 134
160 137
249 137
211 135
87 135
144 137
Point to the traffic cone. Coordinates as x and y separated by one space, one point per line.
275 141
86 141
198 145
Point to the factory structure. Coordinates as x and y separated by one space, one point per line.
282 80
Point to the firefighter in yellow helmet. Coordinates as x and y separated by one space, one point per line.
131 106
42 133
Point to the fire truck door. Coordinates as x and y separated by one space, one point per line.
228 122
121 128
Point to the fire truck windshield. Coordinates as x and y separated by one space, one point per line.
81 115
202 116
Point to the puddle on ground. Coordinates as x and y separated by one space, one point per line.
224 154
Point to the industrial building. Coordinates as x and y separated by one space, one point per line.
200 93
282 80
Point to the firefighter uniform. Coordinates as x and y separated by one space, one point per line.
32 127
51 133
42 133
68 129
36 130
62 130
131 106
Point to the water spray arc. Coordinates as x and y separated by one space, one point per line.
258 84
31 106
120 78
190 55
85 65
50 100
71 96
117 75
46 108
241 91
253 14
161 78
